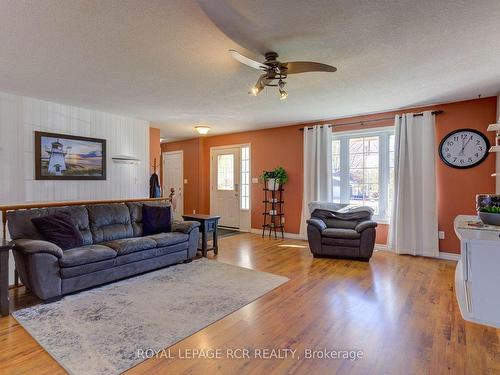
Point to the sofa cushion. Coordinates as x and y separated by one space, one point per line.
83 269
59 229
169 238
21 226
131 245
156 219
109 222
182 246
340 233
86 254
135 209
135 257
150 253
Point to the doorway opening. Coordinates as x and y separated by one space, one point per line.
173 180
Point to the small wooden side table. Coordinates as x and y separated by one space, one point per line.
208 224
5 246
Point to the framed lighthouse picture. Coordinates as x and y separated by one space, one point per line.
69 157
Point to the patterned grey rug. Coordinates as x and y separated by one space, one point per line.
100 331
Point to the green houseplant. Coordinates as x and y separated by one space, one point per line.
275 178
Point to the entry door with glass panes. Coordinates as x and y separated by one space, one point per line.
225 187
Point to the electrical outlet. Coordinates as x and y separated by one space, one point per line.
441 235
194 212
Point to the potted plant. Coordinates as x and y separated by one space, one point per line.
275 178
488 208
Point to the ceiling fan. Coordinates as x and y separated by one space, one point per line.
275 72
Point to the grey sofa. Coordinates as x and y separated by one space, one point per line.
114 248
338 234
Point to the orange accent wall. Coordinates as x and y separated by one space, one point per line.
154 149
283 146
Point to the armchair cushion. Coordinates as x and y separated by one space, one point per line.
30 247
184 226
319 224
341 233
354 213
365 225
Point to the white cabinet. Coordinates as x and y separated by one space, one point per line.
477 277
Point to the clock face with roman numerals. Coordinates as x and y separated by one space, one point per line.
464 148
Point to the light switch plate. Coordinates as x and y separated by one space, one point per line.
185 181
441 235
255 180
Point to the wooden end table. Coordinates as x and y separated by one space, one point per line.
208 224
5 247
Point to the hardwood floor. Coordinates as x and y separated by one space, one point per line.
400 311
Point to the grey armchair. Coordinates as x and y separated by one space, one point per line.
347 234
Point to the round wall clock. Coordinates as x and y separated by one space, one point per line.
464 148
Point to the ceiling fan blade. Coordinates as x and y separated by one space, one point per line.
231 22
247 61
295 67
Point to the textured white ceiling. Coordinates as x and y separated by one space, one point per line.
165 61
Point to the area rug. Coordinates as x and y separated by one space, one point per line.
101 331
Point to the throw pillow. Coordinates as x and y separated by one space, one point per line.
59 229
156 219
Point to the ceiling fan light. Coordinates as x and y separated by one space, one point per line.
202 130
255 90
283 94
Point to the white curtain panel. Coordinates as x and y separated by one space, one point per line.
317 170
414 224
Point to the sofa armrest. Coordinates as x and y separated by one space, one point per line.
365 225
319 224
30 247
184 226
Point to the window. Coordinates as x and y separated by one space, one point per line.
363 169
225 172
245 178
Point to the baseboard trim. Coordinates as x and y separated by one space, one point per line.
292 236
449 256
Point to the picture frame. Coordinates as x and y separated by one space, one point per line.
69 157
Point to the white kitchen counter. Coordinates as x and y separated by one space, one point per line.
477 276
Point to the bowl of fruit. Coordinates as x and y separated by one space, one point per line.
488 208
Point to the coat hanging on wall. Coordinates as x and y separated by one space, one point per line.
154 184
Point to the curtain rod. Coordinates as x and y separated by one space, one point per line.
369 121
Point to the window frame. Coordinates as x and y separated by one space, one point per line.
383 133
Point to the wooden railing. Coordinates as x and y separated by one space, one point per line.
27 206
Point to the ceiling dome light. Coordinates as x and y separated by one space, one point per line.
202 130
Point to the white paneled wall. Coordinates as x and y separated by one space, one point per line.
21 116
